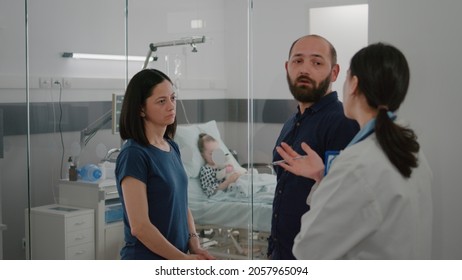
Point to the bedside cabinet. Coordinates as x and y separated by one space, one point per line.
60 232
103 198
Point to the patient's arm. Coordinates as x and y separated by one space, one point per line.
229 180
210 184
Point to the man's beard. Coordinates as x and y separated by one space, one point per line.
306 94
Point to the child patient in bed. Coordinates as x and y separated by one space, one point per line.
213 177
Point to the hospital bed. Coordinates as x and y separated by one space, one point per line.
231 224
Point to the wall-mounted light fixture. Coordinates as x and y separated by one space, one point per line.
152 48
103 56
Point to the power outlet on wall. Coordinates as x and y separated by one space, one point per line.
45 82
54 82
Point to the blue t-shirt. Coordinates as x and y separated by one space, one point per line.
166 185
323 127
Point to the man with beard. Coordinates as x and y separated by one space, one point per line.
311 69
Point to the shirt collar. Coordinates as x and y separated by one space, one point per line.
325 100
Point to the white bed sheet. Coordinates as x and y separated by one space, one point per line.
230 210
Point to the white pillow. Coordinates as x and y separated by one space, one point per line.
187 136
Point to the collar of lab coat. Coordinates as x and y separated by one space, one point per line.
368 129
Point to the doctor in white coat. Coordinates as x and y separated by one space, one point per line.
373 200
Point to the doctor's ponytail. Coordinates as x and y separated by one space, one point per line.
383 75
399 143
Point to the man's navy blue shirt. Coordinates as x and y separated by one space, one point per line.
323 127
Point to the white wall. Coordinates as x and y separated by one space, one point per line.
99 27
428 32
348 17
236 48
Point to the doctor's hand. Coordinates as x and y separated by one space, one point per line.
310 166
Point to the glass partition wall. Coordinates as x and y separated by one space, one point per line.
14 152
226 59
57 109
68 105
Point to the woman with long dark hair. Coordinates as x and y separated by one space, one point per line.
151 179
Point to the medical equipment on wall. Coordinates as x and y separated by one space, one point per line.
185 41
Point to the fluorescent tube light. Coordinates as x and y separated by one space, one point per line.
103 56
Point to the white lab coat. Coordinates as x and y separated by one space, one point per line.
365 209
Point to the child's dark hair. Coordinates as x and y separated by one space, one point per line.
383 78
203 138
